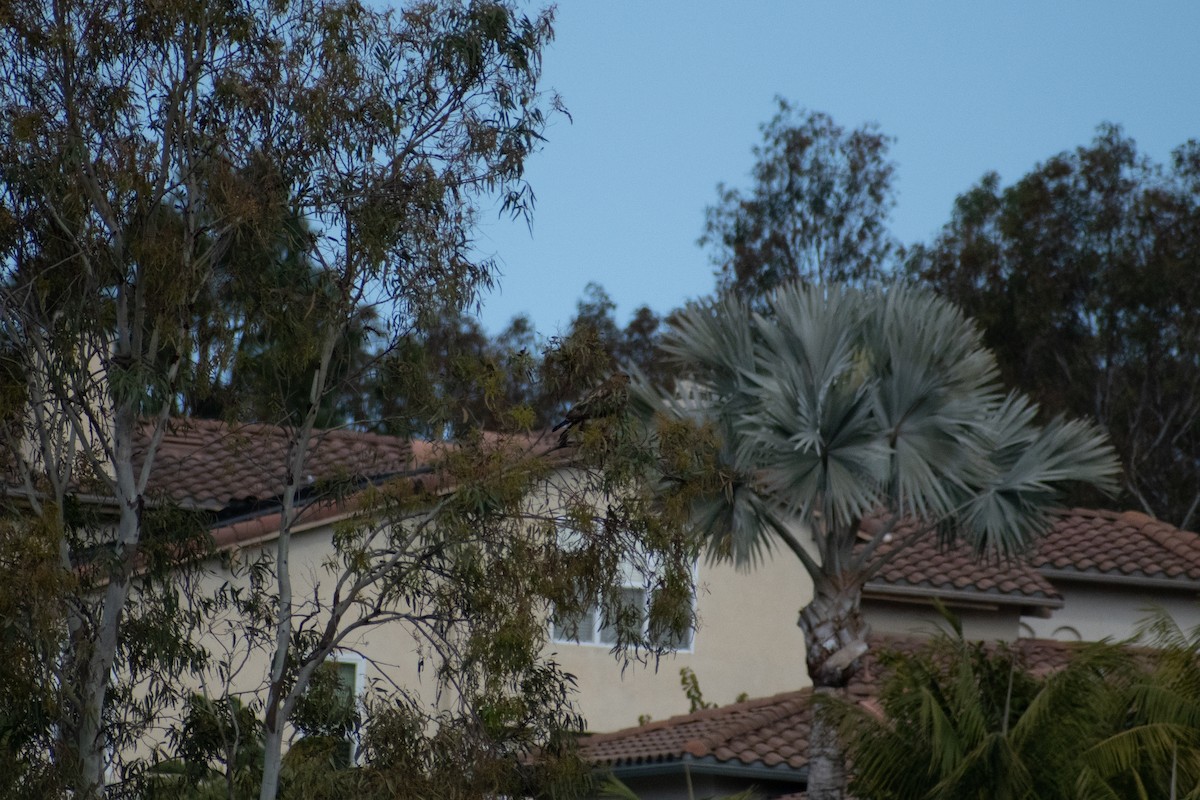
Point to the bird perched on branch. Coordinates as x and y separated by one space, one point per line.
607 399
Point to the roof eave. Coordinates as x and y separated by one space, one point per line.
882 591
1140 581
709 765
264 528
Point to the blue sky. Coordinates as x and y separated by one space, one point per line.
667 97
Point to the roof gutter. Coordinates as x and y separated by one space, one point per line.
262 525
926 592
19 494
1142 581
708 765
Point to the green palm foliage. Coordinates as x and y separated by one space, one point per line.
961 719
958 719
838 403
1156 752
828 404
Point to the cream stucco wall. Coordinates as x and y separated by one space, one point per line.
903 617
1092 612
391 654
747 641
386 654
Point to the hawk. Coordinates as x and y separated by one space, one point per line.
607 399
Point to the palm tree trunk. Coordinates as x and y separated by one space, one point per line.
835 633
835 639
826 762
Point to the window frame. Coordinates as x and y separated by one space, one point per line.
598 626
357 660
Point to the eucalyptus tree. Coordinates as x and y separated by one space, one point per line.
1081 275
256 322
817 208
833 404
141 143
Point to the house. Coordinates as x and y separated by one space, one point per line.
1093 576
1112 569
990 597
234 476
760 743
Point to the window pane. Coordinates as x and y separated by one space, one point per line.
671 641
347 676
580 628
633 603
662 636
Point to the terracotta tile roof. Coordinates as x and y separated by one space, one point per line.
747 726
770 731
212 465
1095 544
932 570
1119 544
215 466
749 733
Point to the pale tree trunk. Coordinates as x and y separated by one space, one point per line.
281 698
276 715
72 426
835 639
92 743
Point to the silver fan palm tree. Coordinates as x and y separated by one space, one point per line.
833 404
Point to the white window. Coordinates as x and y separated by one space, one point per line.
351 677
589 627
351 672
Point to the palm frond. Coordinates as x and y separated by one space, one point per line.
1129 751
839 401
712 343
1159 629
